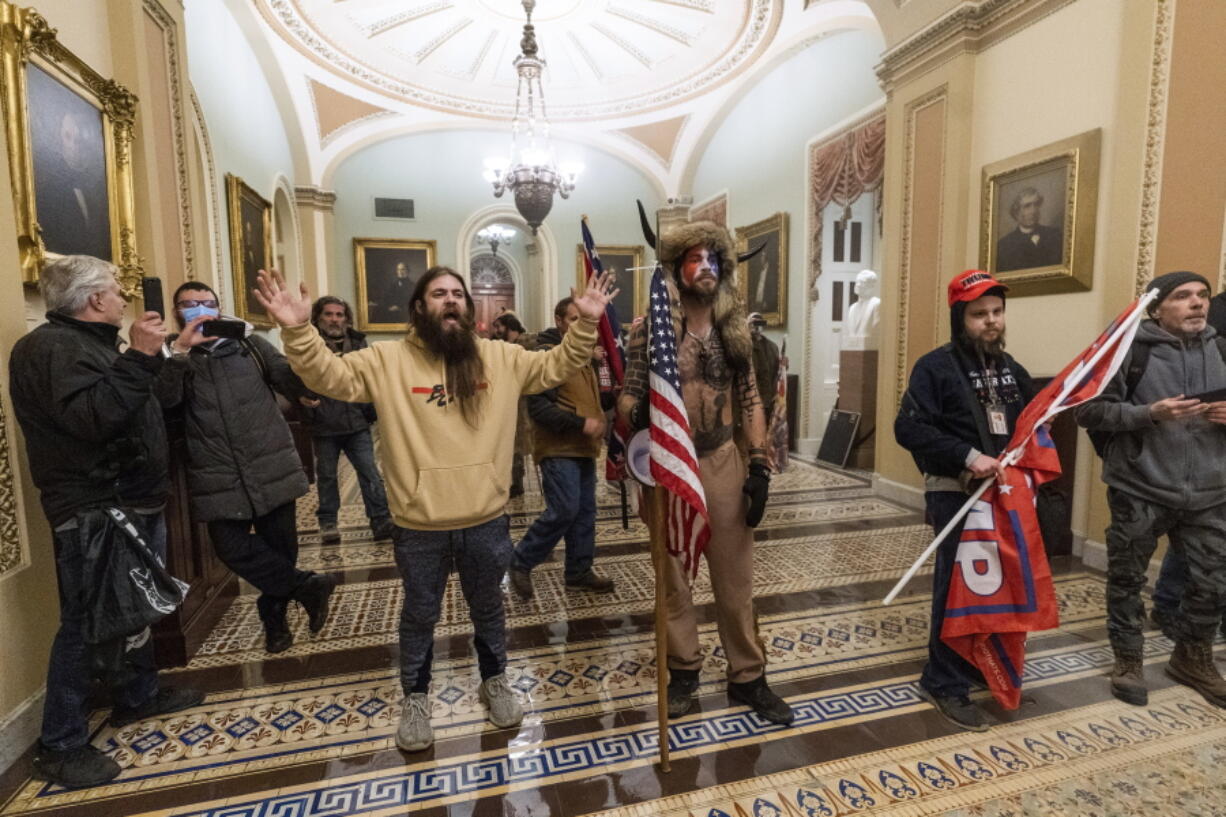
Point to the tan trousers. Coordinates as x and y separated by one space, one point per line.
729 556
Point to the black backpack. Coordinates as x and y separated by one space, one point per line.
1138 359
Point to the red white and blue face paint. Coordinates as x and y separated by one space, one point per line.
699 266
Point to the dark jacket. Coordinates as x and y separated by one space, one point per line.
941 417
1017 250
558 413
766 360
243 462
93 427
1179 463
336 418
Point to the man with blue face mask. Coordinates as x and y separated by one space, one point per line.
245 473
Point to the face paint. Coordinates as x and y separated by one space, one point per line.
699 263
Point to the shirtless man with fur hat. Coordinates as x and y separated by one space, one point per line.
715 362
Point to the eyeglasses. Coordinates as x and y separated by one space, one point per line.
209 303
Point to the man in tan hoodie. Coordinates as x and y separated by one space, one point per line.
447 403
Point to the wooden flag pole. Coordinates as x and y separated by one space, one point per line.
659 559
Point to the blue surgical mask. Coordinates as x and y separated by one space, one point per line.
192 312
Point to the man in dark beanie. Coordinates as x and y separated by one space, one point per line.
1165 469
957 415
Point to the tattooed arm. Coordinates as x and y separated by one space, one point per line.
634 387
753 417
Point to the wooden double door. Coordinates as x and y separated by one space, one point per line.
490 302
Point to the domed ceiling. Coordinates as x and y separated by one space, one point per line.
606 58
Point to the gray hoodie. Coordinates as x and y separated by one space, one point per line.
1178 464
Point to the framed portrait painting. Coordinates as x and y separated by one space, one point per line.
622 261
763 279
1038 215
387 270
250 217
70 151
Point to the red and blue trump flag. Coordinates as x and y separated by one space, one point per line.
1002 586
610 338
674 463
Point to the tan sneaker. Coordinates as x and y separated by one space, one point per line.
505 710
414 732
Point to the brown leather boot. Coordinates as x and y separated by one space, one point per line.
1192 665
1127 682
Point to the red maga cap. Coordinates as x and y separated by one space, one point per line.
971 284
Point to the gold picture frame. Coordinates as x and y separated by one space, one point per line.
250 218
383 295
70 133
631 301
763 281
1038 217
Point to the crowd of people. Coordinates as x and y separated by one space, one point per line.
456 413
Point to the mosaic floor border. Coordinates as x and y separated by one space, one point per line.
523 765
960 774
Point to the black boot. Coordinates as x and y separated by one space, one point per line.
758 696
682 684
314 594
166 701
74 768
277 635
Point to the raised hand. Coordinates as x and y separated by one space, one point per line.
283 305
591 304
147 333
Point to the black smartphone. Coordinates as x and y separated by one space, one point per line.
235 330
151 292
1215 396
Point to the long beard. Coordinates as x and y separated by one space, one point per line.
700 296
458 349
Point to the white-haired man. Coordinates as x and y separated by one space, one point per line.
95 439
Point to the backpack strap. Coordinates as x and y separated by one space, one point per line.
1138 359
260 363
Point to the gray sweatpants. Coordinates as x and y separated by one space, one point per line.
480 555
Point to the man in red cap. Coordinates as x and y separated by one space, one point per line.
956 418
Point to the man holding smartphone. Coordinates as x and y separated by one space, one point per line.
245 473
1165 469
95 439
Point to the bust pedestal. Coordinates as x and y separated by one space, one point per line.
858 392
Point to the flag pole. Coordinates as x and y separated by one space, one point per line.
1011 456
659 560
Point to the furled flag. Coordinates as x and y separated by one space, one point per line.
1002 587
777 436
614 357
674 464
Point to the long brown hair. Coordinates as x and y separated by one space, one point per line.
462 359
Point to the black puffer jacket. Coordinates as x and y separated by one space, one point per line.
336 418
93 429
243 460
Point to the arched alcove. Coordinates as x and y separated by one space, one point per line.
285 231
536 284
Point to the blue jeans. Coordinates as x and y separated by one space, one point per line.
569 485
69 676
946 674
360 450
1172 579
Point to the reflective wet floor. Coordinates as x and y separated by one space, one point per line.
309 732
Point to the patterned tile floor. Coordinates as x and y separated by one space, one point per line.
309 734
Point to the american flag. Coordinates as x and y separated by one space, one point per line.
674 465
615 357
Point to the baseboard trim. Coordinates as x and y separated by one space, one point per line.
906 495
19 730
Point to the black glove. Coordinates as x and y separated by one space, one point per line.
757 486
640 413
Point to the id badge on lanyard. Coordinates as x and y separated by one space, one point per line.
996 421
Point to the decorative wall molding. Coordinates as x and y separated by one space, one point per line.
315 197
170 39
939 94
1155 135
13 554
212 198
967 29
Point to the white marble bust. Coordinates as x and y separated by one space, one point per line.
860 330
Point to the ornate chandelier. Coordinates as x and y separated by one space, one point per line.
496 236
532 173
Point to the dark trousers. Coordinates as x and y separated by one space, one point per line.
1172 579
480 555
267 558
65 712
946 674
1198 537
360 450
569 485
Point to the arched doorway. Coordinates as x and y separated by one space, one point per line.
493 289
